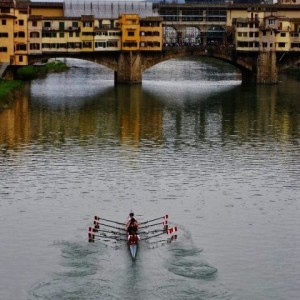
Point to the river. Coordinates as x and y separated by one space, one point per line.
222 159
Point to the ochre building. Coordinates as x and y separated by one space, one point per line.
34 28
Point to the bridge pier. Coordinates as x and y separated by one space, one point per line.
129 68
267 70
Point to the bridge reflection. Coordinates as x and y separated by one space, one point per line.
131 115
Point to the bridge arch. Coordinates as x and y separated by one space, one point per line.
128 67
247 68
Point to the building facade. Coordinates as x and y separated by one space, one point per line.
36 28
265 28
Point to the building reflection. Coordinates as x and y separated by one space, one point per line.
130 114
15 121
259 111
125 113
139 115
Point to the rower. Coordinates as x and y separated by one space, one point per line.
132 225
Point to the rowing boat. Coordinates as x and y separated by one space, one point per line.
133 241
149 231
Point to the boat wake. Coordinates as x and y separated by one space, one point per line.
185 259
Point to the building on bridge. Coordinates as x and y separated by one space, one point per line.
265 28
34 28
194 23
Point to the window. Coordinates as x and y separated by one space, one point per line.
49 34
34 34
21 34
44 45
3 34
20 58
112 44
87 44
34 46
34 23
272 21
293 45
47 24
281 45
3 22
88 33
87 24
74 24
21 47
73 45
130 33
283 34
130 44
5 10
61 34
100 44
21 22
3 49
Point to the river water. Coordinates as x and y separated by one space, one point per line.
222 159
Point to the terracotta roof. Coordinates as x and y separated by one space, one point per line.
87 18
152 19
4 16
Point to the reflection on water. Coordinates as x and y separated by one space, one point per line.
60 107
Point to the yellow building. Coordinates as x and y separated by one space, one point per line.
36 28
151 34
7 20
264 27
107 35
130 27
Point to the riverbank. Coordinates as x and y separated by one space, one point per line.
27 73
6 91
38 71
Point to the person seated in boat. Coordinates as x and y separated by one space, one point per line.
132 225
131 215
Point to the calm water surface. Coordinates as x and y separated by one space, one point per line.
222 159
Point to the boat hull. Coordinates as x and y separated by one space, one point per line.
133 250
132 244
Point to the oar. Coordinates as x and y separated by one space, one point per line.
152 231
111 221
96 222
155 224
92 237
106 231
168 231
163 217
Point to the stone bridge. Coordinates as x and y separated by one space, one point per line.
128 67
